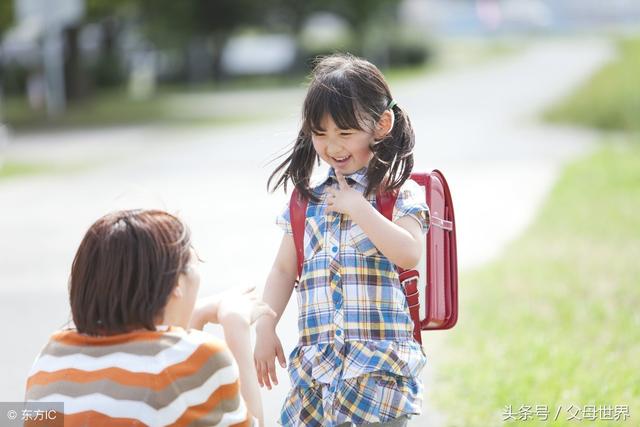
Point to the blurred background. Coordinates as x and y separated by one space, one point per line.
530 107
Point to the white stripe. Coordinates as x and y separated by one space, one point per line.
231 418
141 411
177 353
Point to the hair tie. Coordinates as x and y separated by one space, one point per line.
392 104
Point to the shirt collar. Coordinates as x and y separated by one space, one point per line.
359 176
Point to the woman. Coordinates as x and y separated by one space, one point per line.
137 355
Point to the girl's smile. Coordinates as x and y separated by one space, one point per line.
346 150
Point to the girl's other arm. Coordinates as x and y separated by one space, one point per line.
401 241
277 292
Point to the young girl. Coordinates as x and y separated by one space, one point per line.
136 355
356 361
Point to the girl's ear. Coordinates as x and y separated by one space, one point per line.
384 125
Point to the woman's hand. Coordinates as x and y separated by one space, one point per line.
232 305
343 199
243 306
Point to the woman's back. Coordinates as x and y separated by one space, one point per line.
163 377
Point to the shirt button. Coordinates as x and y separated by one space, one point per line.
334 249
338 332
337 298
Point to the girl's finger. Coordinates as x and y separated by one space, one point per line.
259 372
272 372
280 355
265 376
342 182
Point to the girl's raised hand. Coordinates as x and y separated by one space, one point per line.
344 198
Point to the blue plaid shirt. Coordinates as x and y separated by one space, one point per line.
356 360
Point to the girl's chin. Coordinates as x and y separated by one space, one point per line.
345 168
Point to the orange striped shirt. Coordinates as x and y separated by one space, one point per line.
173 377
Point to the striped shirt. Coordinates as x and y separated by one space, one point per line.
171 377
356 359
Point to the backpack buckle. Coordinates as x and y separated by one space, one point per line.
441 223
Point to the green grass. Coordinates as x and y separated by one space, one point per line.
611 99
556 321
11 169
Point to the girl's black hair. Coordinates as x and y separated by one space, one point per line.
353 92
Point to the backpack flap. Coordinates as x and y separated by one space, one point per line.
441 284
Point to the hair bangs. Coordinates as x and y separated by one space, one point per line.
333 97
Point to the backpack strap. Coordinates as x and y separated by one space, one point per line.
297 216
385 203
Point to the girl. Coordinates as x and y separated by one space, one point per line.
137 355
356 361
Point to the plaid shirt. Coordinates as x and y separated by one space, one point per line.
356 360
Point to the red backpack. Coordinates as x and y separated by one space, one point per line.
439 285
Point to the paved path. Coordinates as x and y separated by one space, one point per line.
476 124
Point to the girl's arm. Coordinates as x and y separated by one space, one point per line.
277 292
280 281
401 241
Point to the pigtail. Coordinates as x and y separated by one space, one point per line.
296 167
392 161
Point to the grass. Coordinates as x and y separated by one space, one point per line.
611 99
556 322
11 169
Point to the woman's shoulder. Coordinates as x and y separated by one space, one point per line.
172 340
211 343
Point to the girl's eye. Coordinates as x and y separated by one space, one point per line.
317 133
346 133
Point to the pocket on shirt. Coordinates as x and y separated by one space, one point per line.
361 242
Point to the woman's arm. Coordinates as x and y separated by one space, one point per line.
401 241
237 334
236 311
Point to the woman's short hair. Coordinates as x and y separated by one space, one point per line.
125 269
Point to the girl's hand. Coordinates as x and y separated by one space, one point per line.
344 199
243 306
268 348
